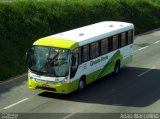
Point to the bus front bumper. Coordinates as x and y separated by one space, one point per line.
56 88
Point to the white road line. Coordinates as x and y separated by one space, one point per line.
146 72
135 51
146 46
66 117
157 42
143 48
20 76
16 103
13 79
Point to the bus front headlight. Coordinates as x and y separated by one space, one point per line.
30 77
63 81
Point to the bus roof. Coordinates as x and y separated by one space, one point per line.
86 34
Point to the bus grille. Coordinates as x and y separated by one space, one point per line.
46 88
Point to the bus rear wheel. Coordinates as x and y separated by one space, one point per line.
117 67
81 85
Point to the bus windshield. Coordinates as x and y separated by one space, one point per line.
49 61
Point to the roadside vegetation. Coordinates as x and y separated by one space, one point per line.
23 22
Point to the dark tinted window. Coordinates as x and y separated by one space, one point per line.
129 38
104 46
85 52
115 42
123 39
94 50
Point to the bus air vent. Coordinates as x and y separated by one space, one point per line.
111 25
81 34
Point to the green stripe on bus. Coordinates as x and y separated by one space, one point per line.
109 67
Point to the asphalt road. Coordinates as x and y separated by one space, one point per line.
135 90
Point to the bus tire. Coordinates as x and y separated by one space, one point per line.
117 67
81 85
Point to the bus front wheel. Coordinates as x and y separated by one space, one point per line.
81 85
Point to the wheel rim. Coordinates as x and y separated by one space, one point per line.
117 69
81 84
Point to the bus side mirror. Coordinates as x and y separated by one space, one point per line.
27 56
28 53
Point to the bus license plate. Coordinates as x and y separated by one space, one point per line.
45 85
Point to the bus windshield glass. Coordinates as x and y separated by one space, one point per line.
49 61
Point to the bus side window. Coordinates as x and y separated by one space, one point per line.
80 55
94 49
74 62
123 39
129 37
85 53
115 42
104 46
109 44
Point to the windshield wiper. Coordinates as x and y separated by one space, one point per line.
53 57
38 72
47 64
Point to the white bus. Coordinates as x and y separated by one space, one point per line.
65 62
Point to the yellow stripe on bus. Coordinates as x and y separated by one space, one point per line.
57 42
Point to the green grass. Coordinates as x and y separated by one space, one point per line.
23 22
